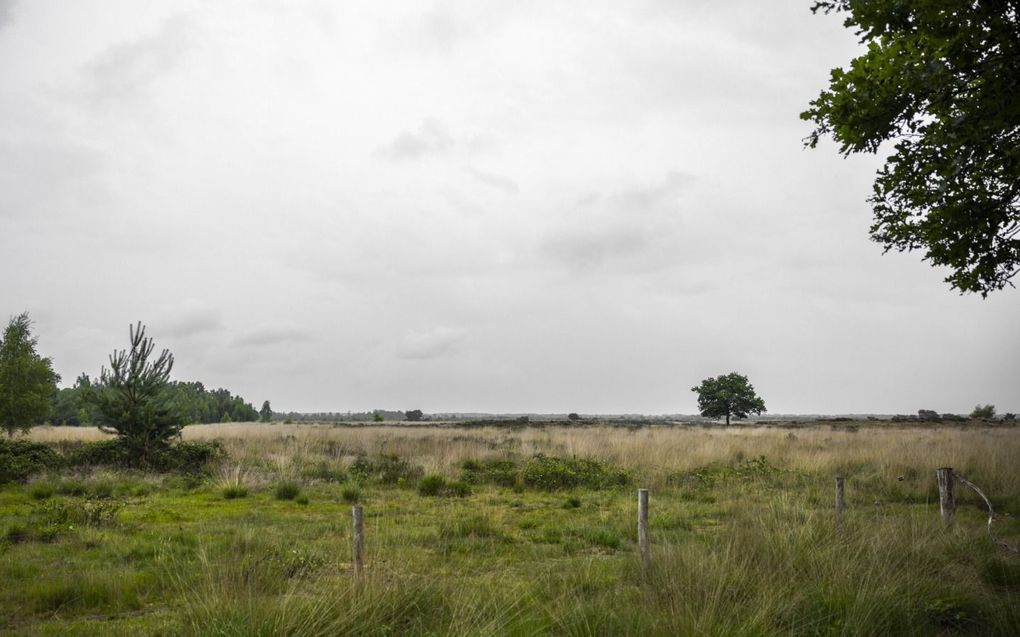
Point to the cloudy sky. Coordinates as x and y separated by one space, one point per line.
494 206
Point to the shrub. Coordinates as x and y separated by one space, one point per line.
301 499
478 526
19 459
324 471
435 485
184 457
551 473
431 485
234 492
983 411
504 473
458 489
351 494
41 491
387 469
287 490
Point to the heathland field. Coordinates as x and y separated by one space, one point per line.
520 531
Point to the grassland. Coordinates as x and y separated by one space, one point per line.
468 533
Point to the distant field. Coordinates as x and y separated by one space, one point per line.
522 531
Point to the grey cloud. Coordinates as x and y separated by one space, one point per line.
431 138
635 229
127 69
499 182
191 322
433 343
7 12
272 335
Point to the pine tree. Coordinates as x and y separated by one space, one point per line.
132 400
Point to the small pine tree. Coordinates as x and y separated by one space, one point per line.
132 398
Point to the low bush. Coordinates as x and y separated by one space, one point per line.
41 491
351 494
19 459
386 469
551 473
504 473
287 490
235 492
182 457
436 485
431 485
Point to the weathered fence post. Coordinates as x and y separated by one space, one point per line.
642 527
839 504
947 497
358 544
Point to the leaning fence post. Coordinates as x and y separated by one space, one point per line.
947 498
839 504
642 527
358 544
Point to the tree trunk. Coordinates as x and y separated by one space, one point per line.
727 419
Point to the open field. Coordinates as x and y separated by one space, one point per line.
469 534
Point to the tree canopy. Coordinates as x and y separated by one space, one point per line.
730 396
27 380
941 80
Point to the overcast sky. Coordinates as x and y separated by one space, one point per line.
490 206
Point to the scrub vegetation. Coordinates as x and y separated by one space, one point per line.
522 531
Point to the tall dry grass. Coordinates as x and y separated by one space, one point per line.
983 453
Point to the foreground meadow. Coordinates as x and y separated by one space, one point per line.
523 531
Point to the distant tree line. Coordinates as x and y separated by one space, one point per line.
191 400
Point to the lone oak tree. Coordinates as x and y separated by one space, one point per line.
28 383
730 396
941 80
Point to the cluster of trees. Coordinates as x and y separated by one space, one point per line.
71 406
135 389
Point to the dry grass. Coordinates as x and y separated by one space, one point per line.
647 451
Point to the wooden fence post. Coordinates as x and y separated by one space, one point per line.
947 497
358 544
839 503
642 528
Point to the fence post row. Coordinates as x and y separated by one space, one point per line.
358 544
947 496
840 505
642 528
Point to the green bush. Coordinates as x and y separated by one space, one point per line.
287 490
19 459
550 473
182 457
351 494
458 489
235 492
435 485
386 469
41 491
504 473
431 485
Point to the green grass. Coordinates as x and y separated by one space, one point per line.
744 547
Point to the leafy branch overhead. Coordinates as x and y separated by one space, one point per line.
941 80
